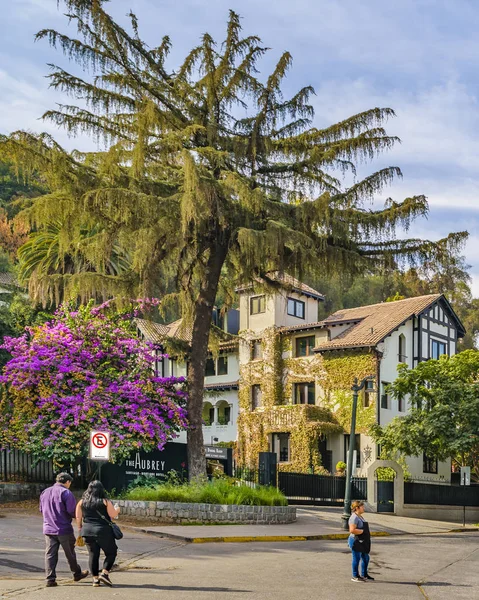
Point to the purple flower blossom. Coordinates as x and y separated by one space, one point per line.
83 370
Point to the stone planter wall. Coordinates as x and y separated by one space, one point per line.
10 492
183 512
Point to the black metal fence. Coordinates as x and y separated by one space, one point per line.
320 490
441 494
246 474
17 466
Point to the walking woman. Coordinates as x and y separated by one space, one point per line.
359 541
94 513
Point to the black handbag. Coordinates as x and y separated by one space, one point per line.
117 532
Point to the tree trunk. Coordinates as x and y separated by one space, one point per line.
203 311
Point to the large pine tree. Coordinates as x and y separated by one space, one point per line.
210 177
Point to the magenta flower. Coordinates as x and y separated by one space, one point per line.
87 369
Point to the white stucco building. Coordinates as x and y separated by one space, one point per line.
406 331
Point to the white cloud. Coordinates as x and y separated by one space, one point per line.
420 57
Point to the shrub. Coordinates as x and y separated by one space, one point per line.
218 491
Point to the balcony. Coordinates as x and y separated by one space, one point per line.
289 416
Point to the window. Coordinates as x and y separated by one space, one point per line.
357 447
210 368
429 465
256 396
257 305
280 445
257 350
216 367
304 393
305 345
401 405
384 395
227 413
402 358
223 365
160 367
367 399
437 349
172 367
296 308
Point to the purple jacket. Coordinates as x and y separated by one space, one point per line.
57 504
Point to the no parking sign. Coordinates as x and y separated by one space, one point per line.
99 445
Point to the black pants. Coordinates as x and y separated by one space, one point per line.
53 543
102 541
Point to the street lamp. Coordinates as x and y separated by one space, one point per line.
368 383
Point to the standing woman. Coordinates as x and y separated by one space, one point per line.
359 541
94 513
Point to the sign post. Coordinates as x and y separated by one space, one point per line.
99 448
465 480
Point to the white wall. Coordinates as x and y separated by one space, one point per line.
276 312
284 320
388 368
233 370
259 321
388 373
224 433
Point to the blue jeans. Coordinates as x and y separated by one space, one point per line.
357 558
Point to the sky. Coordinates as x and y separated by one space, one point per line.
419 57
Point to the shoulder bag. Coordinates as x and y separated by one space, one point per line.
117 532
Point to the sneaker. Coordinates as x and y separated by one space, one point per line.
356 579
368 578
51 584
96 583
81 575
105 578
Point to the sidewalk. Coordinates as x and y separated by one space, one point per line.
313 523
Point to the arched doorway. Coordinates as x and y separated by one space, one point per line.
396 502
208 414
224 412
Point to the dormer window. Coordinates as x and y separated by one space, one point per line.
296 308
257 305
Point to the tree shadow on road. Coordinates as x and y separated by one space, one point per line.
20 566
180 588
443 584
422 585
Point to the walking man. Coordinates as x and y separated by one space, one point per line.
57 505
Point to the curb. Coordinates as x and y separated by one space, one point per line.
254 538
283 538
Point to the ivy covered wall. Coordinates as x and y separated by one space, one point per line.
276 372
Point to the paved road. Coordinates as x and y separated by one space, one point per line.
437 567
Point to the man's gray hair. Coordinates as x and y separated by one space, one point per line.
64 477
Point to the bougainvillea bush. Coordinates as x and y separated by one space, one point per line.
86 369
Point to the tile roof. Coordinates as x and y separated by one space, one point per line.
371 324
303 326
288 281
231 385
155 332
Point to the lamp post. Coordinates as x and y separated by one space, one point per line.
368 383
